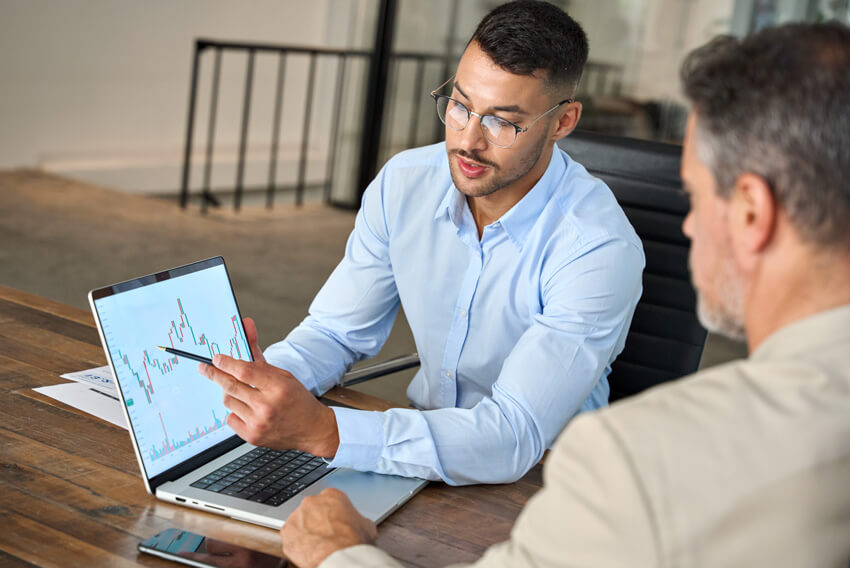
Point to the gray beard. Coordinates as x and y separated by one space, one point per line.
719 321
726 315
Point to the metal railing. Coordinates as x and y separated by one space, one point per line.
341 56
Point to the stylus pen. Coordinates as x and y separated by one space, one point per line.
186 354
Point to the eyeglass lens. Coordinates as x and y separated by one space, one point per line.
456 116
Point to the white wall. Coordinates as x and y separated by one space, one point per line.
98 89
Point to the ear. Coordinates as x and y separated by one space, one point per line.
753 215
567 120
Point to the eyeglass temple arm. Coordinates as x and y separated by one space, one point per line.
434 92
565 101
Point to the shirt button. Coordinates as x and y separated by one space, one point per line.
448 374
463 313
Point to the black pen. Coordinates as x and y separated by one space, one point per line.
104 394
199 358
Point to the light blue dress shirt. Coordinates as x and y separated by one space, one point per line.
516 331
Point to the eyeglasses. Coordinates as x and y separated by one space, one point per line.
498 131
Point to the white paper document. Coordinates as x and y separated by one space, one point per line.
99 377
93 392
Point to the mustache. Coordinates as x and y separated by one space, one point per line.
474 157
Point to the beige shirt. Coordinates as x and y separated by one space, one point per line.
746 464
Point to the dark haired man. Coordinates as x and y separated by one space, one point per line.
518 273
746 464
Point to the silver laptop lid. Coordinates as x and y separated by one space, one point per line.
176 416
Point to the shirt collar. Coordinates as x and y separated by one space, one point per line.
452 205
520 218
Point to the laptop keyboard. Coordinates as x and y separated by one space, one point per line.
265 476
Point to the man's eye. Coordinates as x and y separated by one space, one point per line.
457 112
496 124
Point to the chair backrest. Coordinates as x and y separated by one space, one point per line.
665 340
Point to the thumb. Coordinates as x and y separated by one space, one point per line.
253 338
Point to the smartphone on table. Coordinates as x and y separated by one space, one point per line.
196 550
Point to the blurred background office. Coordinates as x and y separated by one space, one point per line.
113 115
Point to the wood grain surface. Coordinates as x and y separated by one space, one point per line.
71 493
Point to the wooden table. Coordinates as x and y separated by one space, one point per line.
71 493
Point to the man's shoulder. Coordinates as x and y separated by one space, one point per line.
414 180
731 394
425 159
409 183
704 445
586 209
729 403
758 444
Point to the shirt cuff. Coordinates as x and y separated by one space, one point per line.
361 438
363 555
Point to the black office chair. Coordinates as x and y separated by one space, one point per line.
665 340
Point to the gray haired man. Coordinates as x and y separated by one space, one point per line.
746 464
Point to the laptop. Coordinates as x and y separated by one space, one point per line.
186 452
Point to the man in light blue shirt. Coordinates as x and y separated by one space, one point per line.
518 273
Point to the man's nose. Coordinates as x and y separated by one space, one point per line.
687 225
472 137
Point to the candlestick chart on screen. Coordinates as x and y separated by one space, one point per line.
173 409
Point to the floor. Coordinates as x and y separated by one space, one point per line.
61 238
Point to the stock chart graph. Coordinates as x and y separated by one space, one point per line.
174 411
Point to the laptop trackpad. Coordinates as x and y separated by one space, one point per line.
374 495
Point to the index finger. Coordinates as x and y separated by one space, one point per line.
244 371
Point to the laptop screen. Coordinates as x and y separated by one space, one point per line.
175 413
